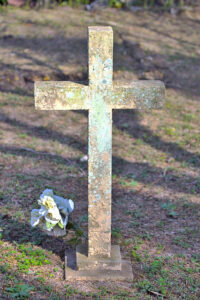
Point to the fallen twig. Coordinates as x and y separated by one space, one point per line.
156 293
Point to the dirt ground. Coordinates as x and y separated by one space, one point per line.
156 156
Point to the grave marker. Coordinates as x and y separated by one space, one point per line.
99 97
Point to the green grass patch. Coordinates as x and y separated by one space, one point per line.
30 257
129 183
19 291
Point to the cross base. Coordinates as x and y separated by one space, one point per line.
78 266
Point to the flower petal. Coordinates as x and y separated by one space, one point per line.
35 217
43 211
65 221
51 220
55 213
65 205
70 205
46 193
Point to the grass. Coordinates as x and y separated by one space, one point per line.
19 291
156 159
29 257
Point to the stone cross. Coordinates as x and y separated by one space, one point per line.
99 98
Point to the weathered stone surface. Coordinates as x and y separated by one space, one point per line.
141 94
100 141
105 263
100 97
61 95
100 57
95 273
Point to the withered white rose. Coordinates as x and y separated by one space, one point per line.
54 211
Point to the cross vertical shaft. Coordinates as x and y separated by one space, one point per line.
100 141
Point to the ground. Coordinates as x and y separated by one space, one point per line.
156 156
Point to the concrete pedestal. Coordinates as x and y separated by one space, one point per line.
78 266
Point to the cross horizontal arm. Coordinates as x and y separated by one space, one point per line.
61 95
141 94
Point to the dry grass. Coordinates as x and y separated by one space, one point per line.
156 158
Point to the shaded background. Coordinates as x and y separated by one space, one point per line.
156 183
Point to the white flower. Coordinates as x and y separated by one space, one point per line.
54 211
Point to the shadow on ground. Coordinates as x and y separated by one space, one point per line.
178 71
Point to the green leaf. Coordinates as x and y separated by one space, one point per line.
60 225
79 232
49 225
